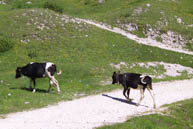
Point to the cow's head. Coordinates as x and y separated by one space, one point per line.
18 72
115 78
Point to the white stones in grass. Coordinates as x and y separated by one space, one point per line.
130 26
41 26
137 11
25 40
148 5
26 102
2 2
118 66
179 20
190 25
101 1
171 70
28 2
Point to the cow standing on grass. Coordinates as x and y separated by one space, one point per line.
135 81
39 70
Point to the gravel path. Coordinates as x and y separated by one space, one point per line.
97 110
145 41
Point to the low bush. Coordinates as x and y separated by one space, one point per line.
5 44
53 6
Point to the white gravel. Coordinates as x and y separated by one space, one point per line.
97 110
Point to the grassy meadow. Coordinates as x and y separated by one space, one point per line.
83 52
162 15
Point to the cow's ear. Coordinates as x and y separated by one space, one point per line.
114 72
19 69
119 72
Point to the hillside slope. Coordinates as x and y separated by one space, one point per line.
167 21
84 53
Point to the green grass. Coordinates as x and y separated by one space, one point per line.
178 116
116 12
82 51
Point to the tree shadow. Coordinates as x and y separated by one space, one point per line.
123 100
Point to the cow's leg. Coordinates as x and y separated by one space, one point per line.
124 91
52 78
51 84
57 85
30 85
152 95
34 90
142 96
128 92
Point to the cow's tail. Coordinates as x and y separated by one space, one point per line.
150 86
60 72
150 83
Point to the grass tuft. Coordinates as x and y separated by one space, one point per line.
5 44
53 6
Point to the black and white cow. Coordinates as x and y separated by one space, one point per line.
135 81
39 70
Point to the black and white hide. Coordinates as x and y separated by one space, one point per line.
134 81
39 70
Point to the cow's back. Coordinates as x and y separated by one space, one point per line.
36 70
132 79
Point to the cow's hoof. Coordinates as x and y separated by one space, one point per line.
128 99
154 106
34 90
137 104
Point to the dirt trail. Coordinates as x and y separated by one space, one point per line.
145 41
97 110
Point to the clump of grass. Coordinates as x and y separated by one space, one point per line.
159 39
32 54
87 2
5 44
125 14
53 6
189 46
140 30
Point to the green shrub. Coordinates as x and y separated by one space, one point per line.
53 6
5 44
90 2
159 39
32 54
189 46
19 4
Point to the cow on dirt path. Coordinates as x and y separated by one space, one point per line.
135 81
